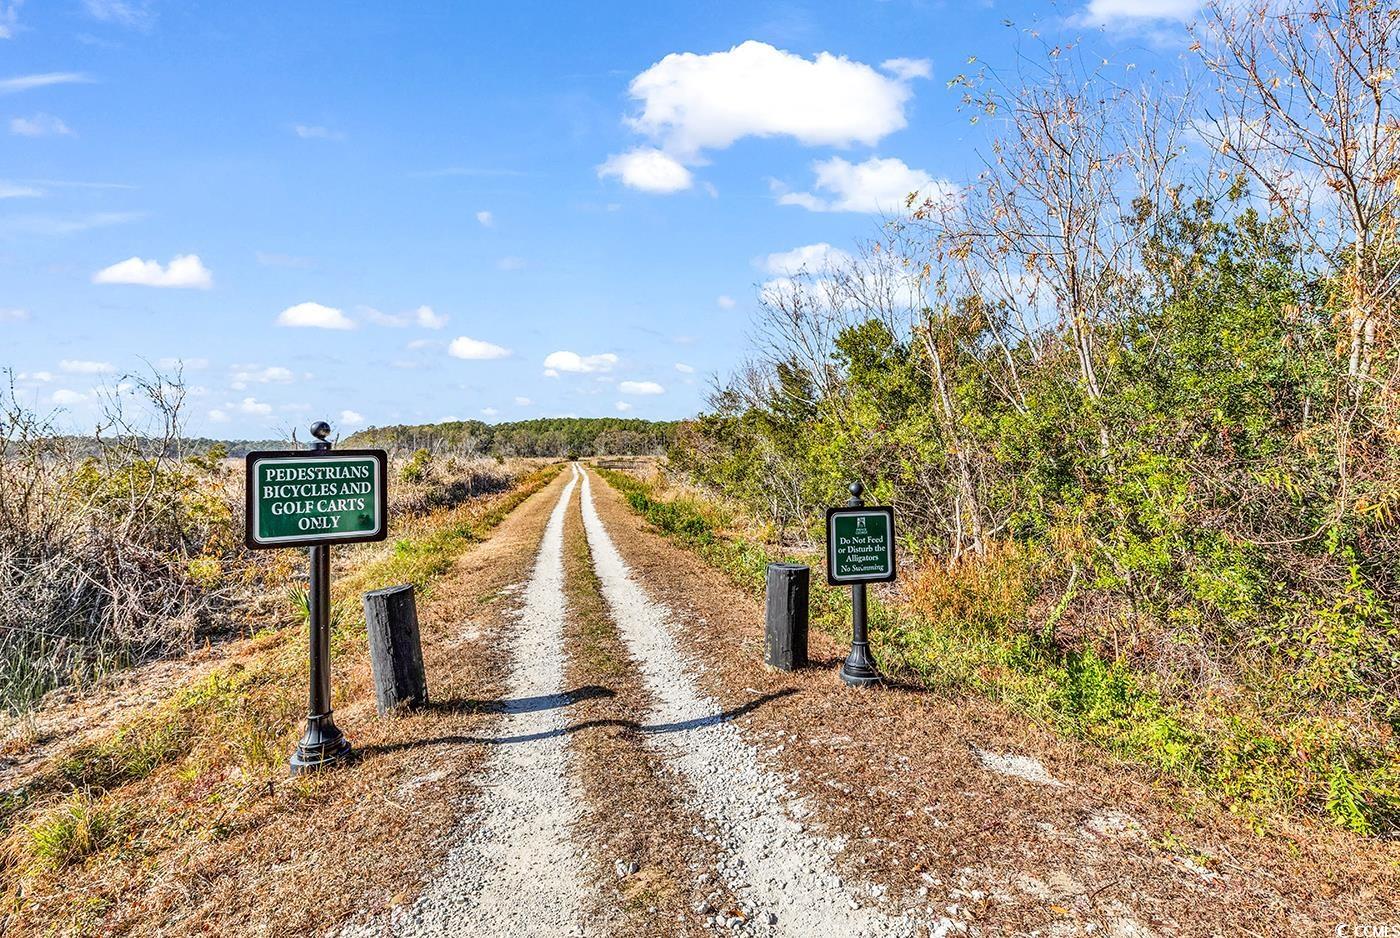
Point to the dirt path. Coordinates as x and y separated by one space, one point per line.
517 870
781 871
653 855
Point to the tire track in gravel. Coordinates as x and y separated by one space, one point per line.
516 871
781 872
652 861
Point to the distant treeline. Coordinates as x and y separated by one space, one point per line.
176 447
548 436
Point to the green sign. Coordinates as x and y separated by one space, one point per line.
860 545
300 499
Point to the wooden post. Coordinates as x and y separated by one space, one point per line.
395 653
785 643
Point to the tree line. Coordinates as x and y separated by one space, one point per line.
555 437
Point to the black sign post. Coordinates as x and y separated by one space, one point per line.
314 499
859 550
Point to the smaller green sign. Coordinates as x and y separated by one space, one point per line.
860 545
298 498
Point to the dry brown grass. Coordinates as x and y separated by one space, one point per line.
184 820
895 771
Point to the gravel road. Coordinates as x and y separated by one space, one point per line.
516 870
781 871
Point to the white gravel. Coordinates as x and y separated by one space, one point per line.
515 870
781 873
1027 768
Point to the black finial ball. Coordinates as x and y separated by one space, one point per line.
320 429
856 489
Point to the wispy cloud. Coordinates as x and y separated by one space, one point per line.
133 14
423 317
9 190
273 259
40 125
78 366
9 18
43 80
316 132
59 226
464 171
78 184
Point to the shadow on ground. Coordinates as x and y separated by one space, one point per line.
540 703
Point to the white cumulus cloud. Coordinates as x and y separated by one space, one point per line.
647 169
475 349
40 125
623 406
351 418
690 103
65 398
685 369
314 316
184 270
876 185
813 258
486 218
641 387
253 406
696 102
574 363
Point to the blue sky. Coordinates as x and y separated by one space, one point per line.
386 213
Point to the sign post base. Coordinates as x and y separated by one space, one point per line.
858 670
321 747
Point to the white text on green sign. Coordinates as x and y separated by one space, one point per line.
861 545
301 498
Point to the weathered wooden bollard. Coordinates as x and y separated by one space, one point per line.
395 653
785 640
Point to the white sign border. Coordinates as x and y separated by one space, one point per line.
301 537
850 512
